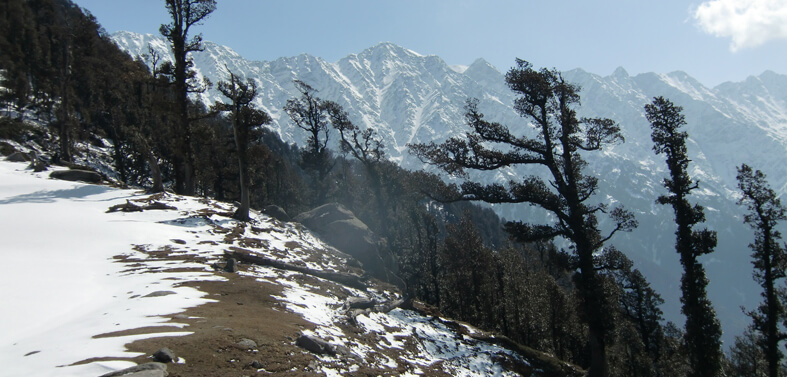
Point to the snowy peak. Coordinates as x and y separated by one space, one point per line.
620 74
484 73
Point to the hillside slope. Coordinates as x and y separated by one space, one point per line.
408 97
89 290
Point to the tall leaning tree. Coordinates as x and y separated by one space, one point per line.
245 118
548 103
184 15
769 259
703 331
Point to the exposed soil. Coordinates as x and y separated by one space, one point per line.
244 308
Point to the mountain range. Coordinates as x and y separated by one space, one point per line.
408 97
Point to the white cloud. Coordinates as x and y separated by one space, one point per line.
749 23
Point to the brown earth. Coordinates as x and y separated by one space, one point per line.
244 308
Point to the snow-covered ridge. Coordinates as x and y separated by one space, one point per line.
409 98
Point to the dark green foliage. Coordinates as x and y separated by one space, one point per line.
453 255
13 129
703 331
184 14
245 120
310 113
769 259
747 358
547 101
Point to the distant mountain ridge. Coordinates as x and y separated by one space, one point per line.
408 97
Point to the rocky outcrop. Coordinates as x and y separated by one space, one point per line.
339 227
165 355
277 213
18 157
77 175
141 370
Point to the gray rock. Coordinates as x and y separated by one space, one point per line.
18 157
77 175
142 370
359 303
277 213
315 345
256 364
246 344
231 266
159 294
165 355
339 227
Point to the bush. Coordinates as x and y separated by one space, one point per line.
13 129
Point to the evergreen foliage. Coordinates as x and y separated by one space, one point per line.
310 113
548 101
185 14
453 255
245 119
703 331
769 259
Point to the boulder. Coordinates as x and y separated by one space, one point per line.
277 213
77 175
18 157
159 294
141 370
231 266
315 345
359 303
165 355
246 344
339 227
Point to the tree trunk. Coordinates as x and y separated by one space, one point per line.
155 173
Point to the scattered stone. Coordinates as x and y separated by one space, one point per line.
359 303
256 364
159 294
165 355
180 316
18 157
315 345
158 205
231 266
178 241
142 370
31 353
77 175
125 207
246 344
131 207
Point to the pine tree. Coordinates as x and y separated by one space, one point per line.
184 14
547 101
703 331
769 259
367 147
244 119
310 113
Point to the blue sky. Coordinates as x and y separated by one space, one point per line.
713 41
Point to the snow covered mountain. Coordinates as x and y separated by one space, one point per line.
408 97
